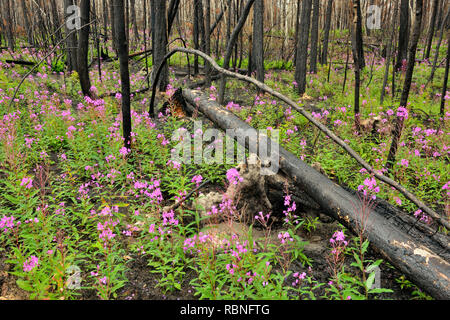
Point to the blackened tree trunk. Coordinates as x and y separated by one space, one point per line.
208 41
357 62
314 36
83 48
113 28
71 42
444 86
230 46
195 34
403 33
28 27
9 26
326 32
389 51
159 34
119 21
407 86
133 19
172 13
105 20
302 47
257 40
297 27
56 23
358 33
431 29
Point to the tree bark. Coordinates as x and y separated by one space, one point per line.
230 46
403 34
302 47
159 34
83 47
257 40
444 86
119 21
431 29
398 127
326 32
133 20
314 36
71 42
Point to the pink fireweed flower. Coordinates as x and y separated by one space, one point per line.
197 180
402 112
124 151
233 176
404 163
31 263
284 236
27 182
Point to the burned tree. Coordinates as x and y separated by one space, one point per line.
398 127
83 48
302 47
119 21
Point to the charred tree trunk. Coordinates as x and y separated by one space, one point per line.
113 28
208 41
28 26
431 29
302 47
257 40
83 48
119 21
326 32
389 51
297 30
444 86
314 36
133 20
398 127
159 34
403 34
71 42
230 46
172 13
9 26
195 35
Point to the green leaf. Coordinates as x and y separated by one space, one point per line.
370 280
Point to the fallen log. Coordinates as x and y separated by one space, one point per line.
21 62
423 258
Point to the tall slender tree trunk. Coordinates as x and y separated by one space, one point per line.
302 47
357 61
230 46
326 32
28 27
297 30
159 33
403 33
9 26
389 51
445 84
257 39
431 29
314 36
133 20
83 48
195 34
398 127
119 21
208 41
71 41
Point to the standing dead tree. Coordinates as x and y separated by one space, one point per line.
398 126
230 46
